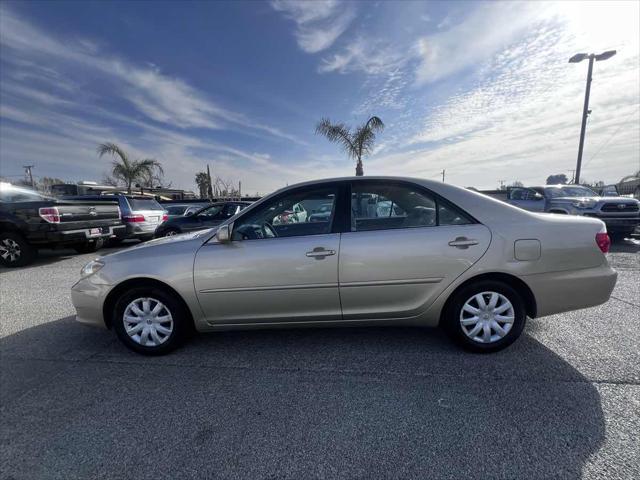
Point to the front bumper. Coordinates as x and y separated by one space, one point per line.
88 299
627 223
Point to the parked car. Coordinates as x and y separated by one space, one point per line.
620 214
478 268
30 220
630 185
140 214
183 210
206 217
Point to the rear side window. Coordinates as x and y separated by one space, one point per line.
144 204
378 206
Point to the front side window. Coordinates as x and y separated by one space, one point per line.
308 212
376 206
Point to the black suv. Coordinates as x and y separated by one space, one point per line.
29 220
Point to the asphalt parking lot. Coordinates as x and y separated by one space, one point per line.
563 402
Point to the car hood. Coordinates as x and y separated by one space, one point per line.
161 242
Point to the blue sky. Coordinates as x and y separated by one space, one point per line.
483 90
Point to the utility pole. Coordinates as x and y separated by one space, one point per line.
573 175
585 110
27 169
443 170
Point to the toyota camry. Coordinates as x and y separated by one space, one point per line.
371 251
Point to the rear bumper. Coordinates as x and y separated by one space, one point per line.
84 235
558 292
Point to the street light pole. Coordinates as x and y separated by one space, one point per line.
585 110
585 114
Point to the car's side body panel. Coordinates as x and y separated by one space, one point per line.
398 273
267 280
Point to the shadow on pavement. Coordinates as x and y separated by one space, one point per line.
366 403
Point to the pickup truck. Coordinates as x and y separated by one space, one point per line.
620 214
29 220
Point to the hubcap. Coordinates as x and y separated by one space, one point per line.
171 233
148 322
487 317
10 250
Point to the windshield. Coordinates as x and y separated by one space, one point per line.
13 194
572 191
176 210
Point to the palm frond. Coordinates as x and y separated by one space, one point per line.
337 133
110 148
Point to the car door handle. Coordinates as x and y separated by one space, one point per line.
320 253
463 242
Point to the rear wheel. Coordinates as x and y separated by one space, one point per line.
90 246
15 251
150 321
485 316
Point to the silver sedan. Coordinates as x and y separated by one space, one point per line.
391 251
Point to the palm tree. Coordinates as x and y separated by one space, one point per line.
356 144
128 170
202 181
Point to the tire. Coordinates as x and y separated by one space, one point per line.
148 344
465 336
170 232
90 246
114 242
15 251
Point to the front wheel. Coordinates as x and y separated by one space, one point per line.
485 316
150 321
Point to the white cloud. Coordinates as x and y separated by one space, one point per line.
476 37
160 97
318 23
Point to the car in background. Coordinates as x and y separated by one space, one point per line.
630 185
183 210
30 220
451 257
140 214
207 217
620 214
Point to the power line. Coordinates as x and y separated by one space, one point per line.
604 144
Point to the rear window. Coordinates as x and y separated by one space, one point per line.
144 204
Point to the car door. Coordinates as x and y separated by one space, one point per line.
404 248
273 272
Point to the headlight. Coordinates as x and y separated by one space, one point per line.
90 268
584 204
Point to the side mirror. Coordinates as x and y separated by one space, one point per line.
223 235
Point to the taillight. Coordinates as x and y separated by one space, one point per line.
49 214
133 218
165 217
603 241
